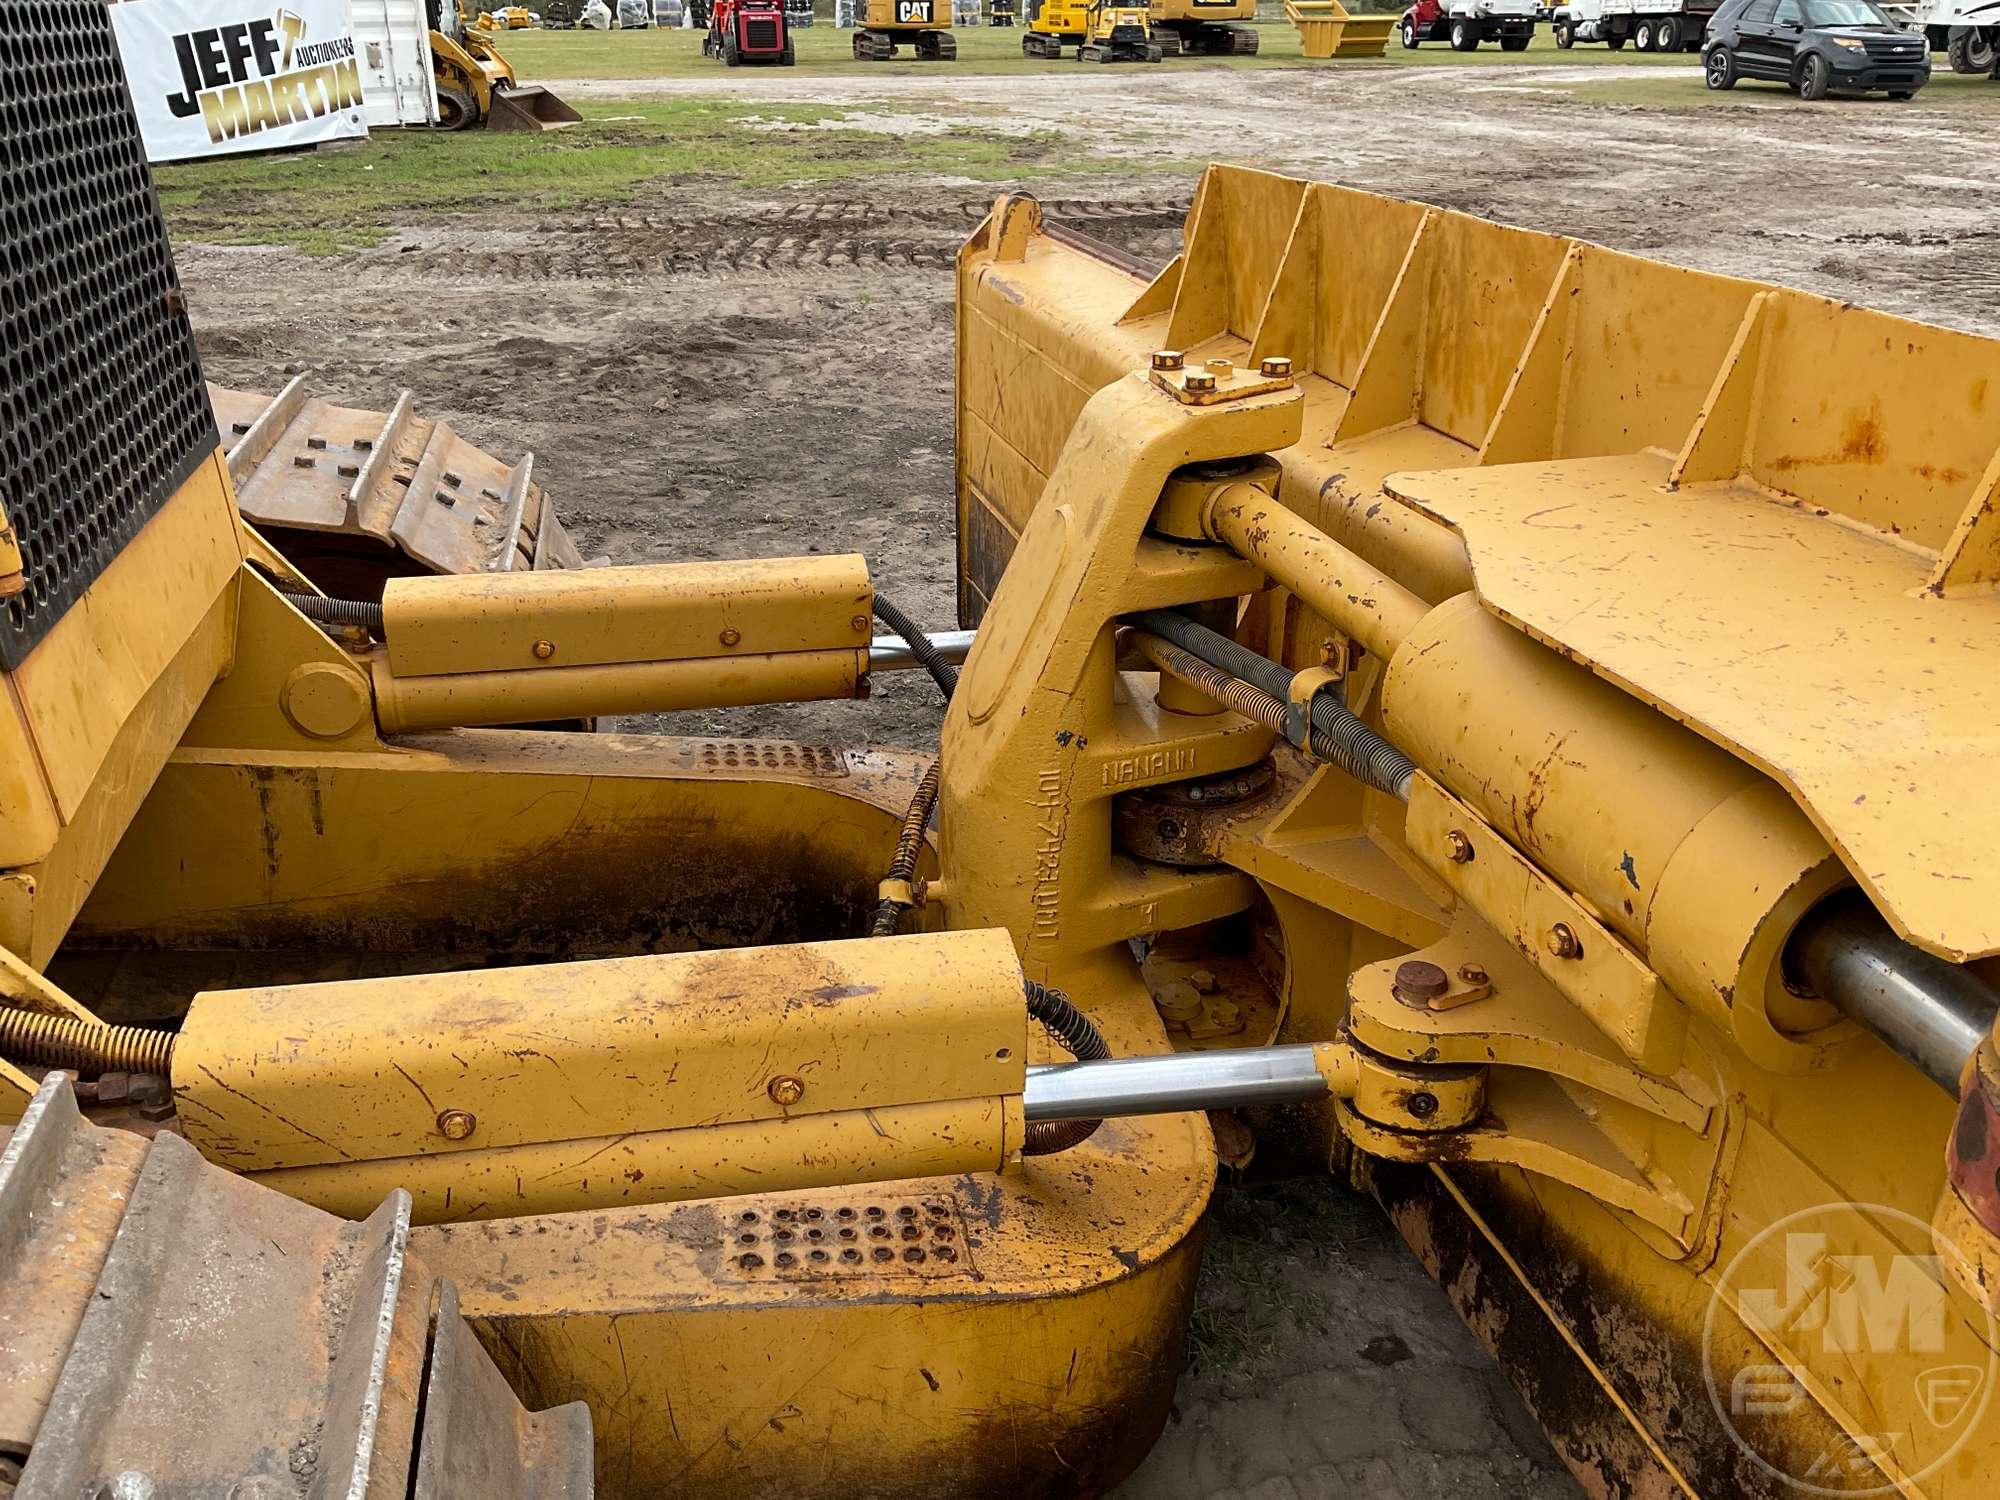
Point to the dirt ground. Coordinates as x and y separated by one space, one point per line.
708 375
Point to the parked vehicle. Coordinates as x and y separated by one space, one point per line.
1815 46
1467 23
1658 25
1582 21
1966 31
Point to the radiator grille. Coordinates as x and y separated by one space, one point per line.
102 411
760 36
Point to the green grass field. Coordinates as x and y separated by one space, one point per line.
354 196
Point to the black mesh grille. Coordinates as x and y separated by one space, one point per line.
102 410
760 35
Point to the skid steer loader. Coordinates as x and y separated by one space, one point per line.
1546 689
476 85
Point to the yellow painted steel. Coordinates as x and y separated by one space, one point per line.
524 622
1691 629
407 705
1329 29
564 1086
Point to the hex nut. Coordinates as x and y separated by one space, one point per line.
456 1124
786 1090
1167 359
1275 367
1473 973
1219 366
1199 383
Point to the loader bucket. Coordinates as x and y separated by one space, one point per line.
530 108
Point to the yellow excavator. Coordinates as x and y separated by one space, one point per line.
1507 722
924 24
476 85
1209 28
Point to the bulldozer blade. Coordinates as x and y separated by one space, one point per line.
529 108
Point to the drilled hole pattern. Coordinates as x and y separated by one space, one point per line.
751 755
102 410
926 1237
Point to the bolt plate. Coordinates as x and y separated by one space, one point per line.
875 1235
1231 387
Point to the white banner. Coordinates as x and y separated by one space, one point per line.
215 76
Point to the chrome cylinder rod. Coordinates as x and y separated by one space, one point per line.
1930 1011
1172 1083
890 653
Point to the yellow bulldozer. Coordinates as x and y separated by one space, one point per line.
1102 31
1546 690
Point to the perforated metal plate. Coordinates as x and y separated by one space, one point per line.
102 410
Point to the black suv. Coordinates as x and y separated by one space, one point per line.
1815 46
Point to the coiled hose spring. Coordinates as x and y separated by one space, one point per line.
910 843
87 1048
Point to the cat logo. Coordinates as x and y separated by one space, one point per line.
913 12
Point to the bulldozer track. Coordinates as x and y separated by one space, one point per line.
756 239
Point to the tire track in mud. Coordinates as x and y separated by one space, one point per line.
763 239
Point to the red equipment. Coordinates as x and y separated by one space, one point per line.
746 31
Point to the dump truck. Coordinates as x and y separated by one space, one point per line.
1547 692
1656 25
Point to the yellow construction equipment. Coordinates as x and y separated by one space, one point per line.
1210 28
924 24
1329 29
1102 31
1547 691
477 86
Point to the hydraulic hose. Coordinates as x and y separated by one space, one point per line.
324 611
909 843
87 1048
1077 1035
1335 734
920 644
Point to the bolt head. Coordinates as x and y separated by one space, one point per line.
859 624
1168 359
1418 982
1204 981
1422 1105
1199 383
1562 941
544 650
1473 973
1457 847
786 1090
457 1124
730 636
1275 367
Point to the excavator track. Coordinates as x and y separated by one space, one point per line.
173 1329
